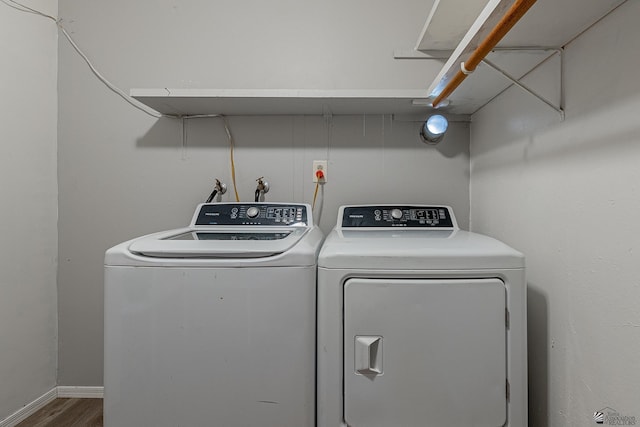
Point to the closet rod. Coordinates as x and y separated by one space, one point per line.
513 15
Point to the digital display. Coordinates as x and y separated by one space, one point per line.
430 214
283 212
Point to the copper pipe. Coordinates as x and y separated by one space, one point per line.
513 15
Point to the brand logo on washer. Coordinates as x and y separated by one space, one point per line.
356 216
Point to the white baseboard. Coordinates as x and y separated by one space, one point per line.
80 392
29 409
60 391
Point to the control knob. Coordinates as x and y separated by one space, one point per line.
253 212
396 213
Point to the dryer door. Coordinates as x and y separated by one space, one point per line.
425 352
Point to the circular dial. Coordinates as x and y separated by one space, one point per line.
396 213
253 212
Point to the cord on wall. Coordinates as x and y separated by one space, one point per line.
135 103
94 70
320 178
233 166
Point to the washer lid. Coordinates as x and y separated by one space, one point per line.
220 242
229 235
406 249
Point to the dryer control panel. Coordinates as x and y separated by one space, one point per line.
374 216
265 214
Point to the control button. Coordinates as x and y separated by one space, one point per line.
253 212
377 212
396 213
234 210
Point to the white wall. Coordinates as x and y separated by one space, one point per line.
298 44
567 194
28 206
124 174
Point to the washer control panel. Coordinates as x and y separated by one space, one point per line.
277 214
397 216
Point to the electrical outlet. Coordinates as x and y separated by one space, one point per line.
319 165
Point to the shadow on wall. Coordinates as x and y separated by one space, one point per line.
247 131
355 131
599 131
538 355
450 148
165 133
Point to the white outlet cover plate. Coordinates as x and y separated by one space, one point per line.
320 165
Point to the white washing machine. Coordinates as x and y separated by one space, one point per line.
214 324
419 323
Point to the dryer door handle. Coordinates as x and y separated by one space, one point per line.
368 355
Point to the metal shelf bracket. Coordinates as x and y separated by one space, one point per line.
559 108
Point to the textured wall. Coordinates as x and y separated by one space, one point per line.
28 206
567 194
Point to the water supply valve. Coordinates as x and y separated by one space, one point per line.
219 188
262 188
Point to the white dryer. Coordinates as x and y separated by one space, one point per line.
214 324
419 323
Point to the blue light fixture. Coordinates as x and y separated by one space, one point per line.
434 128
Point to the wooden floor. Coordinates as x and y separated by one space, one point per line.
67 413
